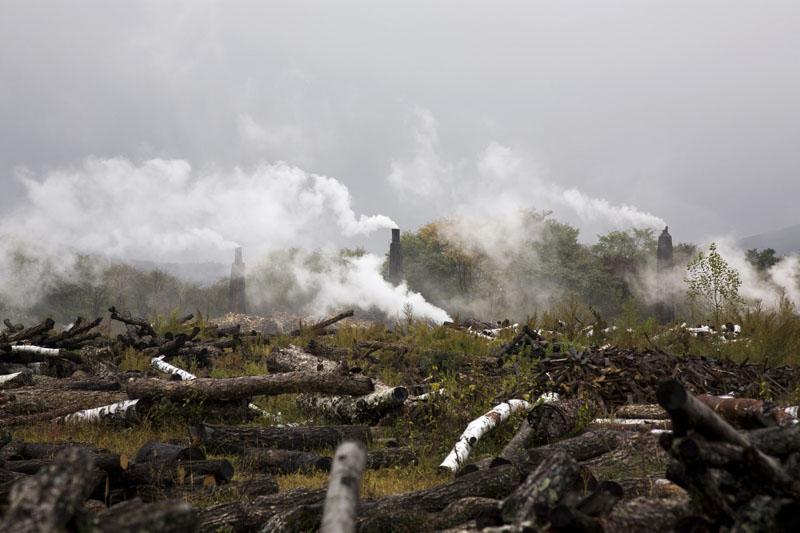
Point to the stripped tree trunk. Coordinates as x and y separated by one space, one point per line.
341 500
477 429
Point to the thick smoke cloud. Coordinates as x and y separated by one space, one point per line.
163 210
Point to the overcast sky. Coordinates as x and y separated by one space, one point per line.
686 112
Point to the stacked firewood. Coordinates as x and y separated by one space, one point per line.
742 480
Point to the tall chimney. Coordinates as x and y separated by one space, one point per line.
395 258
236 301
666 309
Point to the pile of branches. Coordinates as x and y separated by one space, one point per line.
613 377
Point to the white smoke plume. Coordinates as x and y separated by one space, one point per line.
499 185
163 210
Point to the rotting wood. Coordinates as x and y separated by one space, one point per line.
237 439
344 486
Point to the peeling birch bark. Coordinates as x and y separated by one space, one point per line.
124 411
477 429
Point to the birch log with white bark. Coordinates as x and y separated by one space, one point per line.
367 409
160 364
341 500
26 348
123 411
17 379
477 429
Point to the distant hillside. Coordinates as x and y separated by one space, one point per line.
783 241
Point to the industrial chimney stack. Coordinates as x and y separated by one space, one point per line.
395 259
236 301
666 308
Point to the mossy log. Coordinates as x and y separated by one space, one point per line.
542 489
237 439
552 420
248 386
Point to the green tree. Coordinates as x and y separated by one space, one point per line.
713 284
763 260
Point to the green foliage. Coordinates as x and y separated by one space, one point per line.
713 285
763 260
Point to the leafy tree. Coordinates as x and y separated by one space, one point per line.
763 260
713 284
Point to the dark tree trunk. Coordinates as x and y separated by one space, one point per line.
237 439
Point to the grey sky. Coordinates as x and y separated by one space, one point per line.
686 110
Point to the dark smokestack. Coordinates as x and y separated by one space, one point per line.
236 301
395 258
666 309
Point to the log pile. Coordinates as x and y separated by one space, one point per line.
613 377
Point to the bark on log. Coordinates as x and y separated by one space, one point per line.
285 461
47 500
388 458
107 461
642 410
542 489
552 420
366 409
78 328
247 516
647 514
169 473
7 480
239 439
344 486
747 413
135 516
154 450
777 441
317 328
294 359
128 411
160 364
248 386
251 488
477 429
143 327
32 331
15 380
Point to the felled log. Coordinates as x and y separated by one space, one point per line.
476 429
26 353
552 420
167 349
747 413
647 514
48 500
294 359
317 328
641 411
104 460
127 411
542 489
44 326
160 364
777 441
52 398
344 486
78 328
251 488
133 516
142 326
248 386
15 380
7 480
169 473
237 439
581 448
154 450
390 457
248 516
285 461
367 409
11 328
